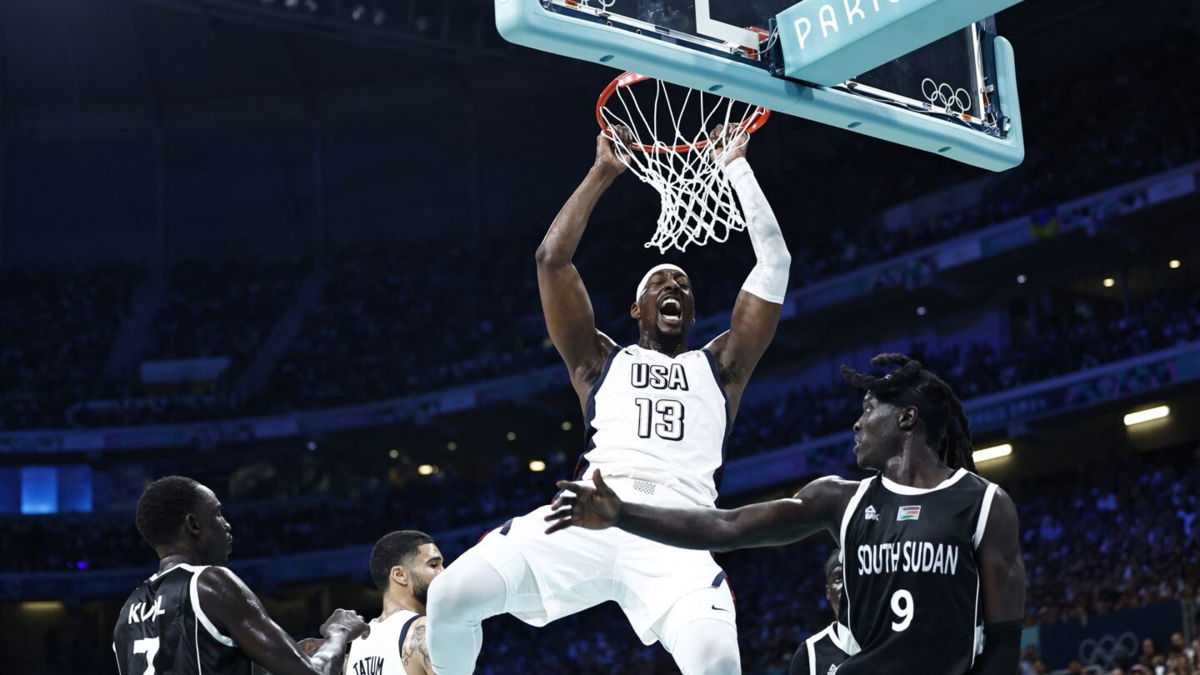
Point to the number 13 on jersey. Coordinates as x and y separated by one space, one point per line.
663 418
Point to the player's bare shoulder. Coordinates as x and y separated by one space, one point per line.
414 653
219 587
829 494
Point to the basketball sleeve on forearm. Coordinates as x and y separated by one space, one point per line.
1001 649
768 280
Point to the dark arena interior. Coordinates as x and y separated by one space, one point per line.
287 248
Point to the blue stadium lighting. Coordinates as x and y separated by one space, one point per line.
1021 278
39 490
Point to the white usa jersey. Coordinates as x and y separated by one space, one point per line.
659 419
379 652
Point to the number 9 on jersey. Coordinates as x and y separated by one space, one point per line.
902 605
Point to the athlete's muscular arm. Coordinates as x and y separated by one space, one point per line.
235 611
414 655
565 301
1002 576
818 506
760 302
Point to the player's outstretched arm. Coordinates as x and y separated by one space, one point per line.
414 653
760 302
1002 576
236 612
818 506
565 302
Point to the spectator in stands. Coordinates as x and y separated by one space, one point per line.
1028 658
1149 653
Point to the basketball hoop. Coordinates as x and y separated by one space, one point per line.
681 163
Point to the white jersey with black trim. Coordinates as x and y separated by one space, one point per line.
659 419
378 653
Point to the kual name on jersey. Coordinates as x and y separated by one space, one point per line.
907 556
658 376
144 611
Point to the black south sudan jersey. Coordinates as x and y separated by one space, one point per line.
911 595
822 653
163 631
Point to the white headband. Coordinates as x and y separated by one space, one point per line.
646 279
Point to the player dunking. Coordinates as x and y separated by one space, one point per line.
403 564
657 417
920 540
195 617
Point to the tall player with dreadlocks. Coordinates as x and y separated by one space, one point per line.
924 541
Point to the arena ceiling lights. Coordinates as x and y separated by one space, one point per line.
994 452
1147 415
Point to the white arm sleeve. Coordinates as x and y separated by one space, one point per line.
768 280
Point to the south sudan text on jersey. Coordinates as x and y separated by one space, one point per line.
908 556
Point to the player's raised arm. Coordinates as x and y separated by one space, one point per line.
565 301
760 302
818 506
235 611
1002 577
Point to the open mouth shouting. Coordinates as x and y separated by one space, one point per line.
670 311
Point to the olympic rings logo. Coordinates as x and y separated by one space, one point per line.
1103 652
945 96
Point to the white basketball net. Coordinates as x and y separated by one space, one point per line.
681 164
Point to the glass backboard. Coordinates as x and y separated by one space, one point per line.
955 96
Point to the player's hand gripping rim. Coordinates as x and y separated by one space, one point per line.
729 142
592 508
612 149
